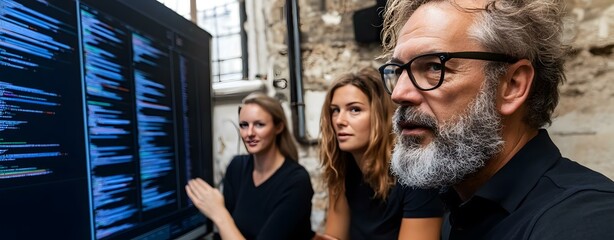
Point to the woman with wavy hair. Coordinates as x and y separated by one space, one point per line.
365 200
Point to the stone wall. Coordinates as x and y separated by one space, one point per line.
583 127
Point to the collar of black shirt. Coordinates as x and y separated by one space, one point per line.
509 186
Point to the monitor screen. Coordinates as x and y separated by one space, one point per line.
104 116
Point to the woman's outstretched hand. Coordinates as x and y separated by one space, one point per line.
207 199
211 203
324 236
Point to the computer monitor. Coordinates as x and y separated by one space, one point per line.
105 114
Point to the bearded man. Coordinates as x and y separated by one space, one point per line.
476 81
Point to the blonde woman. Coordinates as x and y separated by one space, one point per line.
267 194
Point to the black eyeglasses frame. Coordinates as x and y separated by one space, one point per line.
444 57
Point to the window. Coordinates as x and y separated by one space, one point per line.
223 20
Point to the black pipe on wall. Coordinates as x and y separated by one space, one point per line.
296 70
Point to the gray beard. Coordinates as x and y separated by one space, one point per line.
459 148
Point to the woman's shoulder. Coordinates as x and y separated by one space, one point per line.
420 200
294 170
240 158
294 166
238 163
293 176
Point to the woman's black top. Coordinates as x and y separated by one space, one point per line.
280 208
373 218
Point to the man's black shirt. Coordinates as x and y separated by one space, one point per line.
537 195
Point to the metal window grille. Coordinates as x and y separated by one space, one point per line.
229 46
224 21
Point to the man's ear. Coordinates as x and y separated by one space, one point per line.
515 87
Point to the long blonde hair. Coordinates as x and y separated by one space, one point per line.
283 140
334 160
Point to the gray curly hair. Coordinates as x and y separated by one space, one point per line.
526 29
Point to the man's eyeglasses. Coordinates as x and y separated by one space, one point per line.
427 71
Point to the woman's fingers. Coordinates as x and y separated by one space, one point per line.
201 190
201 183
206 198
188 191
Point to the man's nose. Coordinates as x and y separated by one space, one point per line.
405 92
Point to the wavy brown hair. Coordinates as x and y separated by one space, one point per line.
526 29
376 170
283 140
